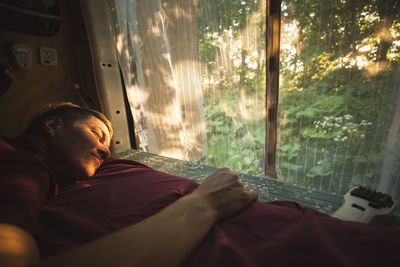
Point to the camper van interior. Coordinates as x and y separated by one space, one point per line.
235 132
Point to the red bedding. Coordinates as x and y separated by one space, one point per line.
125 192
265 234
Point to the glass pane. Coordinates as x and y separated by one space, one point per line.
195 77
232 53
339 106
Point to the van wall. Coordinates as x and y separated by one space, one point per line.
35 88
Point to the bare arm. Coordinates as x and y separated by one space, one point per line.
17 247
168 237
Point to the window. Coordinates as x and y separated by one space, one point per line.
195 72
195 78
339 99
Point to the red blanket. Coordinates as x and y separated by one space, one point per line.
264 234
125 192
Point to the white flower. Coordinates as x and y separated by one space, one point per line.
250 75
348 117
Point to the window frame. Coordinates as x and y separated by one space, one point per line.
273 21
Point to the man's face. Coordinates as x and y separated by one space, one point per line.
78 150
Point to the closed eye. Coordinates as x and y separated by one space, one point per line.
96 132
100 135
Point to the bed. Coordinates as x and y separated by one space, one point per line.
289 225
269 189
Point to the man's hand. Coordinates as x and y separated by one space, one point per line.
224 193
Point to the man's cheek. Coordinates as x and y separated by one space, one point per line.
91 167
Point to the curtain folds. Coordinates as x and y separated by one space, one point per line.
157 48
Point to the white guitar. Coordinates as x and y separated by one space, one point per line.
365 205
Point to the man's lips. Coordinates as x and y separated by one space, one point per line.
98 158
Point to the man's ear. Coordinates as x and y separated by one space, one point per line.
52 124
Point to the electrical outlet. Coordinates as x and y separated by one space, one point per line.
22 55
48 56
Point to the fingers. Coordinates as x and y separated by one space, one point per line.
234 180
235 175
253 195
225 192
249 194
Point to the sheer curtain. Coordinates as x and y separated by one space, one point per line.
194 71
159 62
195 77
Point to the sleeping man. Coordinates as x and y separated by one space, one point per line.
65 201
69 143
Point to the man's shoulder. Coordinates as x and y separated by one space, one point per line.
10 152
18 162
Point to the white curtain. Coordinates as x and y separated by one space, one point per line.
157 46
195 77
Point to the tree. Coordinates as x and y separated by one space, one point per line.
340 70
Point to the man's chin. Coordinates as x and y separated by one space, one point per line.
82 173
74 171
89 172
85 174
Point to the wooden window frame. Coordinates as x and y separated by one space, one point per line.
273 21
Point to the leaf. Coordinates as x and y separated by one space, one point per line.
290 166
318 171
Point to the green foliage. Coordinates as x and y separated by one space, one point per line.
336 117
320 170
338 91
231 142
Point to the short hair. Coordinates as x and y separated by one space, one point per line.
68 113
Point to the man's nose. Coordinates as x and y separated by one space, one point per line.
104 152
